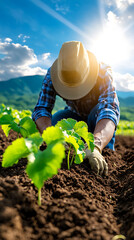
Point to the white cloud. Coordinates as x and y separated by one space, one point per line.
18 61
130 17
124 82
62 9
45 56
124 10
131 1
120 4
8 40
61 6
112 18
23 37
45 60
20 35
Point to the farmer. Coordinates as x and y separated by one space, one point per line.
87 87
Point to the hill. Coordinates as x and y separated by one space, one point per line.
23 92
123 95
22 85
124 102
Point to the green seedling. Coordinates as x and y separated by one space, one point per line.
25 127
41 164
75 133
18 121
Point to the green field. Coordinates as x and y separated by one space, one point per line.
125 128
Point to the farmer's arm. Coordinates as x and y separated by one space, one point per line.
107 120
42 123
103 132
108 113
42 111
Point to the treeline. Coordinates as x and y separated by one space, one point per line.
127 113
18 102
27 101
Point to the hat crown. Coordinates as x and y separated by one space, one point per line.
75 71
73 64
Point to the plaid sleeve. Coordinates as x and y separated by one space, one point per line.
46 99
108 100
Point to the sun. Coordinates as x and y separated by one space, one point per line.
111 45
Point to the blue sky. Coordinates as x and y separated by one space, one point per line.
32 32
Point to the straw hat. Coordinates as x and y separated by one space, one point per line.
75 71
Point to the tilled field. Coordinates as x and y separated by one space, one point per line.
76 204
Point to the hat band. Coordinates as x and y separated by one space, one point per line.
72 78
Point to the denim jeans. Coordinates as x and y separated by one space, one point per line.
91 121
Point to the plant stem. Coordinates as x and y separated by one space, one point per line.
72 159
68 158
39 196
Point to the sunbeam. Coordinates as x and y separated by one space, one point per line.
57 16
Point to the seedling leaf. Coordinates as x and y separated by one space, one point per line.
91 141
78 159
36 139
14 152
73 133
6 119
80 153
6 129
14 126
51 134
71 140
34 142
46 164
66 124
80 125
28 124
23 132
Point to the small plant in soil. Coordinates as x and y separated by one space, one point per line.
75 134
42 165
18 121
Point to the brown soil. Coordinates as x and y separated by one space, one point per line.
76 204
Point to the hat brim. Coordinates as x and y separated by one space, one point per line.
77 92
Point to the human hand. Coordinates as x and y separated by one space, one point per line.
96 161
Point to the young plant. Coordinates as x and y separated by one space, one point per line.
19 121
25 126
41 164
75 134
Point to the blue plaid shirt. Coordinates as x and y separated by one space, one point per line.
103 94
